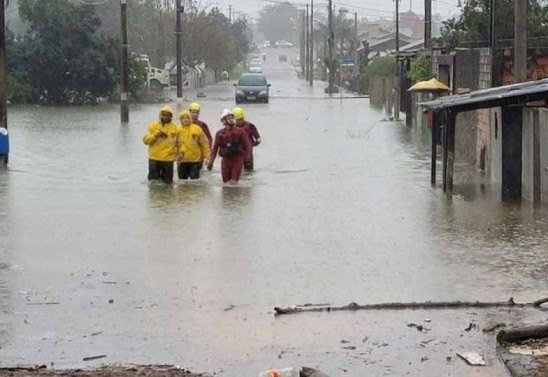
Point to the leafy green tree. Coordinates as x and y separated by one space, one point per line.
382 67
279 22
471 28
209 40
63 57
421 69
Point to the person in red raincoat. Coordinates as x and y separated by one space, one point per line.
194 109
251 131
233 145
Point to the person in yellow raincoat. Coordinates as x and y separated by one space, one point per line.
195 145
165 146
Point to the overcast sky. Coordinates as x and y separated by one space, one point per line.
365 8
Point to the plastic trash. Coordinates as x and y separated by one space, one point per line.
4 142
286 372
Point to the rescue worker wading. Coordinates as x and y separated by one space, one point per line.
194 109
164 140
196 147
252 133
233 146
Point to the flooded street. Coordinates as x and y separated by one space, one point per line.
339 209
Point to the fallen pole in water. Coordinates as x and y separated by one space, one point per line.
410 305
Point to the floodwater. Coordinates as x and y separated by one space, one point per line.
339 209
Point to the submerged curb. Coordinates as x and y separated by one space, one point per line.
519 365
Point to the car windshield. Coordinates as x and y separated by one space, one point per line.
252 81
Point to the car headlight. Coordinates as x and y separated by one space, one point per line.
240 92
262 93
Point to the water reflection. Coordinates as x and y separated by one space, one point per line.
237 196
177 196
5 256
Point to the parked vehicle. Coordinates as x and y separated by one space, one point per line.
283 44
157 78
252 87
255 69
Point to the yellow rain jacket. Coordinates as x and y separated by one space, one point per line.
195 143
164 148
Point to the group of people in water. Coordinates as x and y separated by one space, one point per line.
191 146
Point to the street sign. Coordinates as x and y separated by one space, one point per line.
347 62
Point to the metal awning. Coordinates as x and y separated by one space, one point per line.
516 94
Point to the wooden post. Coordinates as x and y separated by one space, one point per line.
520 38
311 45
427 23
451 123
178 49
330 41
124 77
537 171
434 131
3 75
303 44
445 159
307 48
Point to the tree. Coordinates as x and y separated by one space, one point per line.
209 39
382 67
421 69
279 22
62 57
471 28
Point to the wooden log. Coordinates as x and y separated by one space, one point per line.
410 305
521 334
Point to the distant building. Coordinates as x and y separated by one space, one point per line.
412 22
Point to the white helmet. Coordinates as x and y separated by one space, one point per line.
226 113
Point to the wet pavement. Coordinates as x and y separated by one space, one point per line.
340 209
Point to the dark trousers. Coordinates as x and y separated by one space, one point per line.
160 170
248 165
186 170
231 168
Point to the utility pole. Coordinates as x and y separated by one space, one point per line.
397 26
398 76
3 70
230 13
124 77
355 69
307 46
311 44
427 23
493 31
303 41
330 41
178 50
520 38
3 74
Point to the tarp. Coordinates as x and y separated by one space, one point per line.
430 85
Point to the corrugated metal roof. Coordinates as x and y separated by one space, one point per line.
483 99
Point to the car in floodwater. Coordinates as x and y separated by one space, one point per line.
252 87
282 58
255 69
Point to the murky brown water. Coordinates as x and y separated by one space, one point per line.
339 210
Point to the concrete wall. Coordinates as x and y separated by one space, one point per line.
485 118
380 91
543 128
535 118
496 147
466 137
527 176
